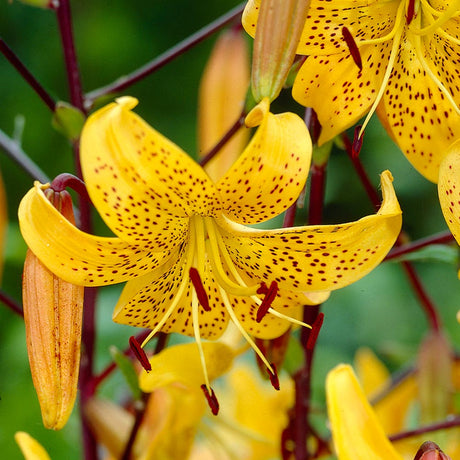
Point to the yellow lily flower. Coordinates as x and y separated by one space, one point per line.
398 57
191 263
30 447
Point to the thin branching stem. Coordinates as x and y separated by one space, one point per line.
180 48
11 303
15 152
27 75
450 422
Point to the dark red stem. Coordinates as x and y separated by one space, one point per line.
451 422
64 18
28 77
11 303
225 138
428 306
169 55
317 188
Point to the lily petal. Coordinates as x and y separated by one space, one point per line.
449 189
338 91
76 256
422 120
317 258
269 175
356 431
179 364
144 186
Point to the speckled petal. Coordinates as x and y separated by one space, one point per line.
287 302
75 256
322 33
337 90
356 432
143 185
419 116
317 258
144 302
449 189
269 175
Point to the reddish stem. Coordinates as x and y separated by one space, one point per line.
169 55
11 304
27 75
317 188
64 18
440 238
451 422
431 312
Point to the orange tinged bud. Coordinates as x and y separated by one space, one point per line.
430 451
435 378
223 89
278 32
53 318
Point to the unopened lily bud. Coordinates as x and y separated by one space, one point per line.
223 89
53 317
430 451
434 377
279 27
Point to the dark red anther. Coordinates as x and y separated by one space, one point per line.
274 380
199 289
352 47
410 12
65 180
357 142
315 328
212 399
270 295
139 353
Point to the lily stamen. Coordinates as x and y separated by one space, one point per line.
199 288
270 295
273 375
410 11
139 353
211 399
352 47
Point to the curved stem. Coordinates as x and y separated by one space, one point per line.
27 75
164 58
11 303
451 422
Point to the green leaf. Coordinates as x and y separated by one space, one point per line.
432 253
68 120
127 369
39 3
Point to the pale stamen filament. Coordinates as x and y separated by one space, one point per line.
426 68
288 318
248 338
184 283
391 34
386 77
196 332
445 16
429 9
447 36
219 271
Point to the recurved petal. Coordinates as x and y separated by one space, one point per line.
421 120
181 364
145 301
269 175
76 256
321 257
338 91
144 186
356 431
449 189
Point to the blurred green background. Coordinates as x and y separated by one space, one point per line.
112 39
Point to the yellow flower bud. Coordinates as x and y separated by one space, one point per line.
278 32
223 91
53 318
30 447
